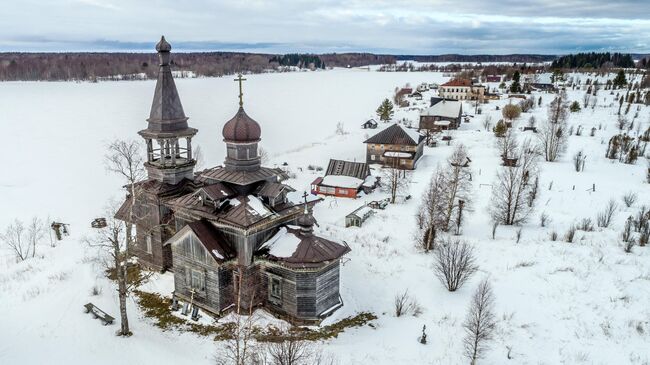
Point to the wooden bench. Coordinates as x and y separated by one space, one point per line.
98 313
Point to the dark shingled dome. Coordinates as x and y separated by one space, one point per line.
241 128
163 45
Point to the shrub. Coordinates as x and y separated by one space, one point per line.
629 199
604 218
570 234
511 111
455 263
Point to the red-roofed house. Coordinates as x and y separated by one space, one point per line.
461 89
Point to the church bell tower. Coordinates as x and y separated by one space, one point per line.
168 136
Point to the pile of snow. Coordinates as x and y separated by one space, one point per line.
283 244
257 207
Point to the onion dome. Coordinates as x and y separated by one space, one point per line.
306 222
163 45
241 128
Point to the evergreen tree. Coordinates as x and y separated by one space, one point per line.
385 111
620 80
575 107
515 87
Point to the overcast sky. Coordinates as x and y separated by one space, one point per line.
280 26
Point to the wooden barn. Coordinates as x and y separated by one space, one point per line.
231 233
345 179
369 124
395 146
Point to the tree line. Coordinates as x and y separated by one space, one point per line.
594 60
93 66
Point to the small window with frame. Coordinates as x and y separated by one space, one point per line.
275 289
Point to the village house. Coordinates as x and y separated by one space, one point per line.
369 124
461 89
395 146
443 114
233 233
344 179
493 78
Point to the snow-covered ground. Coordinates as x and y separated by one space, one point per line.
557 303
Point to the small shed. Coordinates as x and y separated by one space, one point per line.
369 124
378 204
358 216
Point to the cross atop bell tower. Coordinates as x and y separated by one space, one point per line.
168 136
239 79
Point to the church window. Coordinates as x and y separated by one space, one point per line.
198 280
275 289
148 240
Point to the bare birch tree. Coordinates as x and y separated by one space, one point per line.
480 322
124 158
458 187
113 242
395 181
430 218
35 233
514 191
553 134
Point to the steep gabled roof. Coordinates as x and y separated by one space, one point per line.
359 170
271 189
396 134
210 237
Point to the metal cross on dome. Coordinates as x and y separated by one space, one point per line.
239 79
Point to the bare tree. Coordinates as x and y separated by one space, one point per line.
113 242
458 187
14 239
480 322
395 181
124 158
553 133
264 155
430 217
604 218
455 263
240 348
514 190
404 304
35 233
507 144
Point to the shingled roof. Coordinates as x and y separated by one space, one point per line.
359 170
210 237
396 134
307 250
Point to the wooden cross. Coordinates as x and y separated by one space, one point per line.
239 79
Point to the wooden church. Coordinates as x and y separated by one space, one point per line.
230 234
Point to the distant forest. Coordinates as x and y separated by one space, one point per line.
120 66
519 58
127 66
594 60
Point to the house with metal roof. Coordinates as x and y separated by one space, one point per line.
345 179
443 114
234 236
396 146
